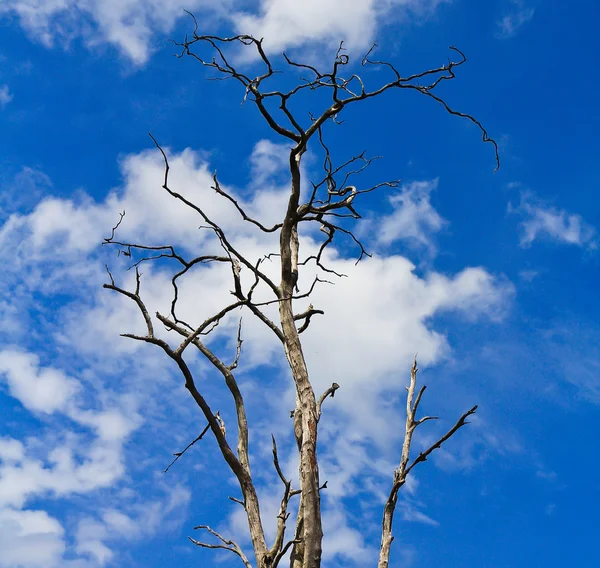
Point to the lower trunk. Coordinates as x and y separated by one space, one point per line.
305 420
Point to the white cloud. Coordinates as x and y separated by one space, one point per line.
411 514
127 25
344 541
49 390
268 160
11 450
541 221
94 535
90 541
341 539
38 389
377 319
30 539
152 216
5 95
55 219
287 23
413 217
67 469
23 191
60 462
389 301
130 25
34 539
110 425
519 14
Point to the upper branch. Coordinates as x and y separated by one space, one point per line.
343 91
219 190
135 296
214 226
252 86
439 74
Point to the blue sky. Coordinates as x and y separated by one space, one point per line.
490 277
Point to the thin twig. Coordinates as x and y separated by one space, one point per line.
179 454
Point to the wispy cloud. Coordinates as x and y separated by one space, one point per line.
411 514
528 275
572 350
516 17
5 96
23 191
96 536
127 26
546 475
545 222
412 218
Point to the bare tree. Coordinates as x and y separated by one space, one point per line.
330 203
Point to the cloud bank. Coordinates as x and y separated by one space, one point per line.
136 28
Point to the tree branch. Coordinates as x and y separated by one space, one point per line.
282 515
401 473
218 231
230 545
306 316
245 217
179 454
329 392
239 465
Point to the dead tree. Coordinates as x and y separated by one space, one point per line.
331 201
